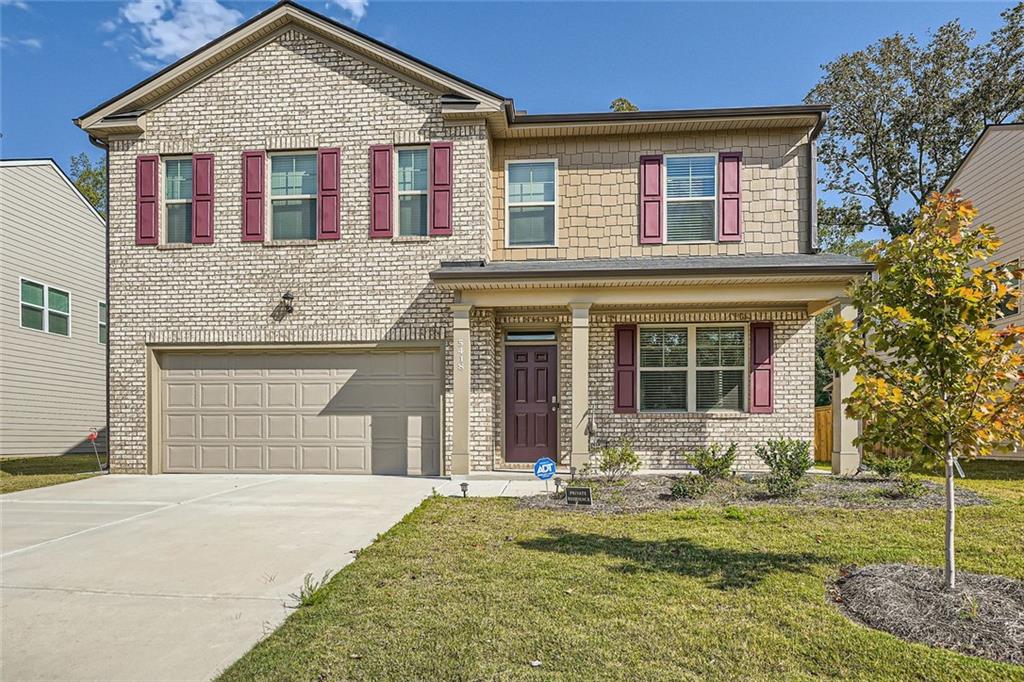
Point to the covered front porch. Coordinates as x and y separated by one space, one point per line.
557 358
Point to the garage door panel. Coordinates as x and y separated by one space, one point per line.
181 426
282 426
248 426
315 458
213 395
352 459
181 456
282 395
315 396
248 395
315 427
215 457
181 395
248 457
214 426
284 457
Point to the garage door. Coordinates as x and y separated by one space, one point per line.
339 412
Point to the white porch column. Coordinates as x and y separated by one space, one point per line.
461 367
580 384
845 455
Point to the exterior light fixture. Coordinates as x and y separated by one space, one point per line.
465 488
286 301
558 485
572 473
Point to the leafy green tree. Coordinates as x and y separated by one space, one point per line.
91 180
935 377
623 104
904 114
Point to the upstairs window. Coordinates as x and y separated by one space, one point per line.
690 198
178 200
293 186
530 192
45 309
103 323
412 191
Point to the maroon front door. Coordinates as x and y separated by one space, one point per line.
531 403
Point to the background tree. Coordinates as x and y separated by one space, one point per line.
91 180
935 377
904 114
623 104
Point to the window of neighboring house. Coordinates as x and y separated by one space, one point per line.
721 368
692 368
103 323
45 308
178 200
664 368
293 196
1012 306
531 203
412 191
690 198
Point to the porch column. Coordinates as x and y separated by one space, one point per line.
580 384
461 366
845 455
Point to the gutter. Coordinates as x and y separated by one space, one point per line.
469 274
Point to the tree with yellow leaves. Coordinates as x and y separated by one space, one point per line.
935 377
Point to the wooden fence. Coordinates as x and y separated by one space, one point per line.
823 434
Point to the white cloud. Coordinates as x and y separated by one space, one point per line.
355 8
20 4
31 43
163 30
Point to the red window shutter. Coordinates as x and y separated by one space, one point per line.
730 213
652 199
625 368
202 199
381 191
762 350
440 188
253 195
147 200
328 194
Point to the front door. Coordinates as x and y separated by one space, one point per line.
531 403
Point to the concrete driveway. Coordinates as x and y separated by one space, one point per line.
173 577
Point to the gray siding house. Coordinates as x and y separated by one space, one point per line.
53 326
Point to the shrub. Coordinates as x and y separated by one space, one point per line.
616 462
690 487
908 485
710 462
889 467
788 460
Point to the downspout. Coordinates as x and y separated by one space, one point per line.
106 276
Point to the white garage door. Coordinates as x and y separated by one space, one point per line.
301 412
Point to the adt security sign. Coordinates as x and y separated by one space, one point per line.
544 468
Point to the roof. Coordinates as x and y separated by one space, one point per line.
654 266
16 163
460 98
975 145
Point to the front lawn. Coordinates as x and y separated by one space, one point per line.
479 589
23 473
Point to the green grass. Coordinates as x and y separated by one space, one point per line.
24 473
476 589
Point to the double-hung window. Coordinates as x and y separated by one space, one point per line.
45 308
690 187
178 200
531 207
692 368
293 186
103 323
1011 306
412 191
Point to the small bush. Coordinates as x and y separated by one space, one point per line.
710 462
889 467
788 460
909 486
690 487
616 462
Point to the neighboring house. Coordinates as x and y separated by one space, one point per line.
329 256
53 326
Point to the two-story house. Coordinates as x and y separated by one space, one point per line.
329 256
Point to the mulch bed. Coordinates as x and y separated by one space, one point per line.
651 493
983 616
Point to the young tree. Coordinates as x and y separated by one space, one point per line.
622 104
91 180
935 377
904 114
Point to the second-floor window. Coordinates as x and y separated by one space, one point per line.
178 200
531 205
45 308
690 198
293 196
412 191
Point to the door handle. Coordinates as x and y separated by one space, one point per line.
554 403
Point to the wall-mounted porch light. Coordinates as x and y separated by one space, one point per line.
286 301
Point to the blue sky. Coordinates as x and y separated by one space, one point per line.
59 59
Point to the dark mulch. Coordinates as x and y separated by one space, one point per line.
651 493
983 616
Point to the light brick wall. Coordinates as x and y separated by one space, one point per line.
293 92
598 185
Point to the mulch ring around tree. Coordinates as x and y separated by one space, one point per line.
983 616
637 494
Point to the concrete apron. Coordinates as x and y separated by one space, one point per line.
174 577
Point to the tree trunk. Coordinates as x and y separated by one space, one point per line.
950 572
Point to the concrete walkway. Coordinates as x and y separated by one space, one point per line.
175 577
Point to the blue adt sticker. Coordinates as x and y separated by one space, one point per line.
544 468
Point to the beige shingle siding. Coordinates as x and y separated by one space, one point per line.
52 388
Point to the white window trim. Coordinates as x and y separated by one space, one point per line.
165 202
508 205
692 369
285 197
409 192
713 198
45 308
101 324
